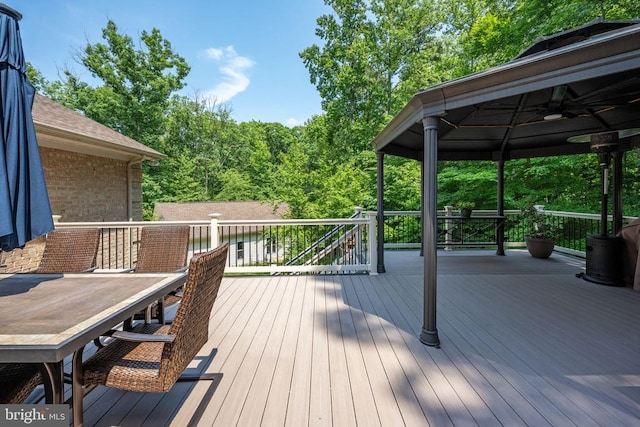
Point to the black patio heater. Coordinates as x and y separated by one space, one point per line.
604 253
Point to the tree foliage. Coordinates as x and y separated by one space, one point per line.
368 65
371 58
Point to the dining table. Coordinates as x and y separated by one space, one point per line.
47 317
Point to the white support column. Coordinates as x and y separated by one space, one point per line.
429 335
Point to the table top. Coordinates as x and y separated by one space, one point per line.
46 317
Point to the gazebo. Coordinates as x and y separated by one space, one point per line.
573 92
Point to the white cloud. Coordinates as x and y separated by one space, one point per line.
232 67
292 122
213 53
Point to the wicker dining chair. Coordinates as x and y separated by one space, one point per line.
70 250
17 381
163 249
152 357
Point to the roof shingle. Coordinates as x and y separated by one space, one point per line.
50 114
192 211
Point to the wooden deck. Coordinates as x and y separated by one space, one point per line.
524 342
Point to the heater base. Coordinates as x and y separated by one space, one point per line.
604 260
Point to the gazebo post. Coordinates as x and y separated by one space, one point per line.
380 213
617 191
500 208
429 334
422 216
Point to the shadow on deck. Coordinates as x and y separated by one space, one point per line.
524 342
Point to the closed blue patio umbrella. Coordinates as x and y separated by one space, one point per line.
25 212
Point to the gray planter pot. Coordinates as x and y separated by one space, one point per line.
465 212
540 248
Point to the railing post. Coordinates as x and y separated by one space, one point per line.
448 226
373 244
214 230
358 242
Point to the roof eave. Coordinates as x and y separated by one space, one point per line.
52 137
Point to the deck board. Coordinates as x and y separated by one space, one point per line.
363 398
279 391
258 392
441 394
380 382
342 398
524 342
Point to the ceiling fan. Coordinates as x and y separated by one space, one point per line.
563 102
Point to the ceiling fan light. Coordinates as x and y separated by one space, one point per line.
552 116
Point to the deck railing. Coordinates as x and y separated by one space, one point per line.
256 246
402 229
336 245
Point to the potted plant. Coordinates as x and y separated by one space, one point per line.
540 231
465 208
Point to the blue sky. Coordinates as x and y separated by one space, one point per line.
244 53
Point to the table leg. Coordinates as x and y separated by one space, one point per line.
77 389
160 309
53 379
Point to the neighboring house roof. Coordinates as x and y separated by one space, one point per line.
192 211
61 128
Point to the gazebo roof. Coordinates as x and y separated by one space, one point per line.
590 75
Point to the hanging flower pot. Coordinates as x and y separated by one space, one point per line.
466 212
465 209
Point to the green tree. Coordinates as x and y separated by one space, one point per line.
294 182
197 127
137 84
490 32
470 181
179 184
365 69
402 184
235 186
